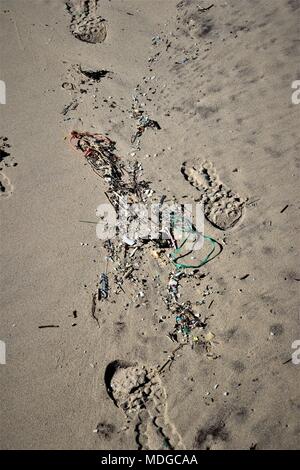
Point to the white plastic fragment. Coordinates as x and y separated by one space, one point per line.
128 241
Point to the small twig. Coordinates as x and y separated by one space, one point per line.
134 251
49 326
94 303
88 222
202 10
286 362
171 359
248 203
244 277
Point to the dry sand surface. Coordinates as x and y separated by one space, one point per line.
216 76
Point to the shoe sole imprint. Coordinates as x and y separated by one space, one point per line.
140 394
86 25
222 207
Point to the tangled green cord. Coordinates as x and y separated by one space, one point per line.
176 254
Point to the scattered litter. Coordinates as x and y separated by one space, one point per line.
99 152
186 320
126 187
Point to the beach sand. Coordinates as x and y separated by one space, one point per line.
218 80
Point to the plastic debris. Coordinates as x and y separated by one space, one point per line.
93 73
173 284
192 235
143 121
125 186
156 40
128 240
186 320
123 182
103 286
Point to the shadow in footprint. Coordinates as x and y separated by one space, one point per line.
110 371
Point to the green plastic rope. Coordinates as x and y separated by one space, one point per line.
176 254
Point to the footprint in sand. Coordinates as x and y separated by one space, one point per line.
138 391
86 25
6 188
222 207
